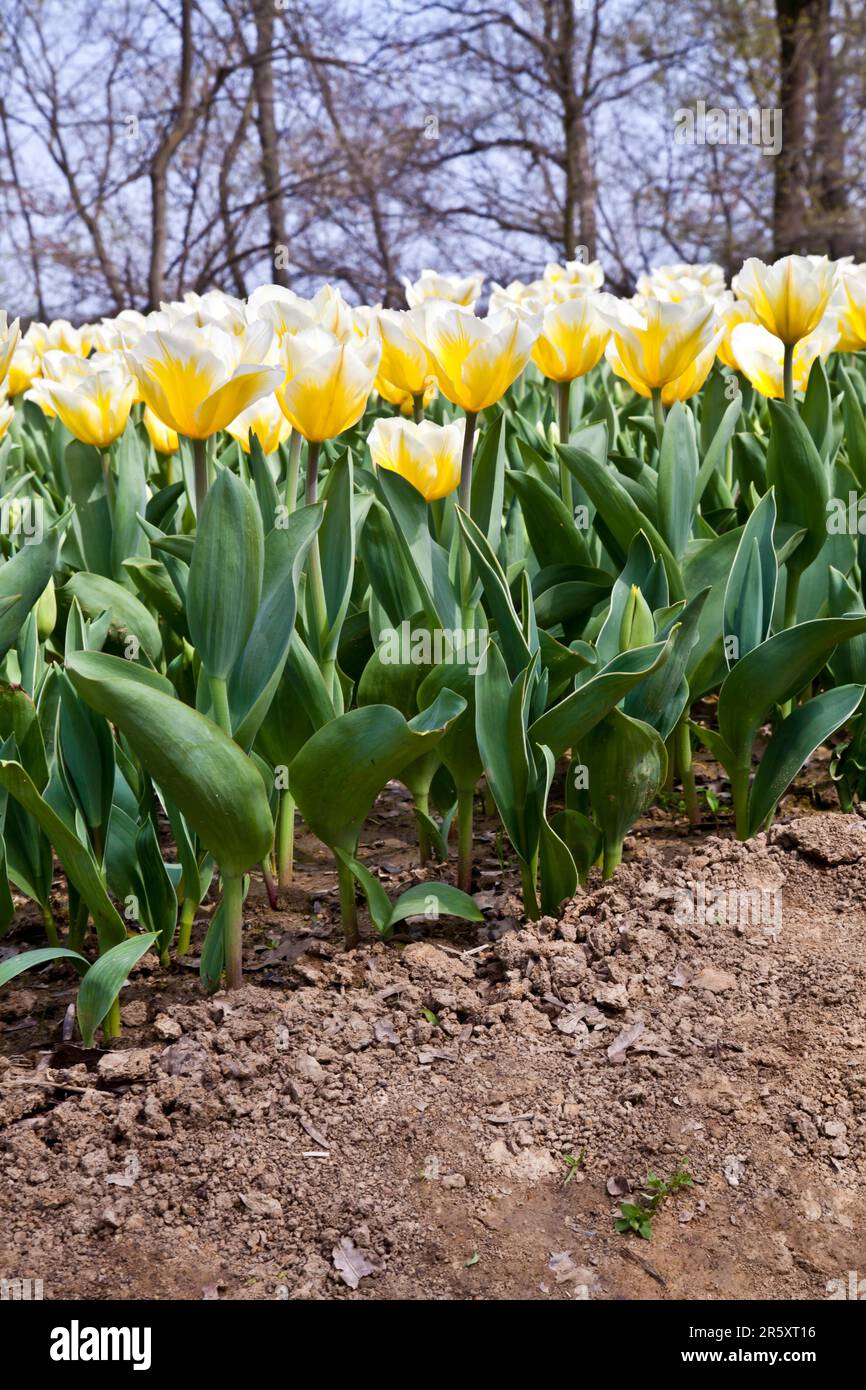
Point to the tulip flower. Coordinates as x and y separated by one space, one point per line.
673 283
65 368
426 455
287 312
731 312
574 277
23 368
519 295
162 437
760 356
266 421
404 368
94 408
788 299
198 379
851 312
656 342
326 393
60 336
214 307
9 334
476 360
451 288
572 339
125 329
682 387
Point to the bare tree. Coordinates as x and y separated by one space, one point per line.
153 146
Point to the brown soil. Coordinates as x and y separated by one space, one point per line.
446 1116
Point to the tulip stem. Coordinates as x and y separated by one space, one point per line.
293 470
465 498
106 476
220 704
418 407
199 450
317 583
788 373
286 839
528 874
792 593
687 771
739 777
50 925
348 910
422 809
111 1022
233 909
312 480
187 917
465 811
563 392
658 414
270 886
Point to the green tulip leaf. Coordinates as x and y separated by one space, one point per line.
202 771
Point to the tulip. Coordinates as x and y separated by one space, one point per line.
475 361
574 277
60 336
788 299
851 316
287 312
94 408
326 394
682 387
46 611
68 369
656 342
760 356
426 455
731 312
163 439
326 388
214 307
197 380
682 281
266 421
451 288
572 339
518 295
637 628
404 367
23 368
9 334
125 329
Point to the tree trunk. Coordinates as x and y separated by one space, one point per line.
263 79
790 234
172 136
833 231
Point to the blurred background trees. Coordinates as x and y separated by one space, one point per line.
153 146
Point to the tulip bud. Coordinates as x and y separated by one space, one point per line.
637 628
46 611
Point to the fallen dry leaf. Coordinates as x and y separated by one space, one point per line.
351 1264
